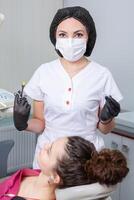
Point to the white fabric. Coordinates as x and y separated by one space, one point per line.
71 49
71 105
85 192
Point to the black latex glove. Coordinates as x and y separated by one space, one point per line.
110 110
21 111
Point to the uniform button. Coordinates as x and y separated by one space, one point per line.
69 89
67 102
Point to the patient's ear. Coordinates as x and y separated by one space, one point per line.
56 179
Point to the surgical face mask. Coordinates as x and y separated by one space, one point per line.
71 49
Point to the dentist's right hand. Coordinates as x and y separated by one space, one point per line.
21 111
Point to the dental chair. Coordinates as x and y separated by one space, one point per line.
5 148
85 192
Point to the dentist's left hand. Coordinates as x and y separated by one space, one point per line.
110 110
21 111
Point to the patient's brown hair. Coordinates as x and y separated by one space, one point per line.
83 165
107 167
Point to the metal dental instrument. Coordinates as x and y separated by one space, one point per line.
22 88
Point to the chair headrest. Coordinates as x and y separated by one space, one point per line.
84 192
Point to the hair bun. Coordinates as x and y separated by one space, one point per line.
90 167
108 167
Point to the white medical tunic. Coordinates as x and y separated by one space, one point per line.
71 104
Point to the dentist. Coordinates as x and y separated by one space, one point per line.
72 95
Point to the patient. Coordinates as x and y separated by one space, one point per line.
67 162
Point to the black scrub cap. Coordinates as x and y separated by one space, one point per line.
82 15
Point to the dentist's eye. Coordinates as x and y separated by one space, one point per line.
79 35
61 35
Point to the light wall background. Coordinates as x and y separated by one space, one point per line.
115 41
24 39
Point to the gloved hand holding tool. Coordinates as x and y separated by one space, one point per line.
21 110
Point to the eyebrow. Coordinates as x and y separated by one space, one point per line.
79 31
74 32
62 31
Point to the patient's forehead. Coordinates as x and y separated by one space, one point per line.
58 147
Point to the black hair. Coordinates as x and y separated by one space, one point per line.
82 15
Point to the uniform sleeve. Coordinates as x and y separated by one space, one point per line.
110 89
32 88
